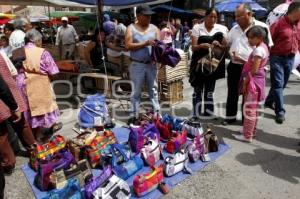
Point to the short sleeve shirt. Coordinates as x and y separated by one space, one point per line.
260 52
200 30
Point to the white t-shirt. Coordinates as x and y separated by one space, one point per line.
260 52
238 40
200 30
16 39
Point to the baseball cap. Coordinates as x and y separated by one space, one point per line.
144 9
64 19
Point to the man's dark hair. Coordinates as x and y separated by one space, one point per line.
9 27
293 7
210 10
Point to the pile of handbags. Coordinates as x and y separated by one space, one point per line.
64 167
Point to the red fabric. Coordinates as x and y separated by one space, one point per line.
6 75
286 37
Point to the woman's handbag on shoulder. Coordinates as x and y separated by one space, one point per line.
209 63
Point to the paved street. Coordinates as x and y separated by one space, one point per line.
267 168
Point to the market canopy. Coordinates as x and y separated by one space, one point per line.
174 10
4 18
229 6
53 3
120 3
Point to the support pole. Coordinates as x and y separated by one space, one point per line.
100 11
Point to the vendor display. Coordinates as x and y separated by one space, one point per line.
64 168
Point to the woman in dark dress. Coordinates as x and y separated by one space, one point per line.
205 35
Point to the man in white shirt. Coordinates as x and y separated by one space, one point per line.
239 51
66 39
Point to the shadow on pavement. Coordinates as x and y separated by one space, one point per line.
292 99
277 140
279 165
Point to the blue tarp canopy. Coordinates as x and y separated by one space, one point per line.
114 2
229 6
174 10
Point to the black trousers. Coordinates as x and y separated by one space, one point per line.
204 90
2 183
234 74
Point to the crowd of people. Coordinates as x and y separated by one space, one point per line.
26 68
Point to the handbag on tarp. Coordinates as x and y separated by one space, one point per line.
176 163
94 112
147 182
113 188
59 161
77 144
177 142
151 151
39 151
101 142
81 171
166 125
72 190
211 141
130 165
193 128
138 135
96 182
196 149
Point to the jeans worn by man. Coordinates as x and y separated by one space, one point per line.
285 34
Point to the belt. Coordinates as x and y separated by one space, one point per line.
288 56
143 62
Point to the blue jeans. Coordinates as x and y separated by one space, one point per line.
139 73
280 72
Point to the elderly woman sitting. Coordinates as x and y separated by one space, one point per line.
33 80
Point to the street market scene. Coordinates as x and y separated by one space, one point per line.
149 99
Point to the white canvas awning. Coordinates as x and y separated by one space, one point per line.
52 3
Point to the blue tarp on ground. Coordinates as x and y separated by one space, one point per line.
113 2
229 6
122 136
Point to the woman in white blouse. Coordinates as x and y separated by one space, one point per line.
205 35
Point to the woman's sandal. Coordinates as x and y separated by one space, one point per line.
56 127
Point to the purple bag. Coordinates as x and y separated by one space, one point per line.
60 160
138 134
96 182
164 54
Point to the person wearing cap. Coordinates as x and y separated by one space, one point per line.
138 40
66 39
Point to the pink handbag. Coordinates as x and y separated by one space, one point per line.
151 151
